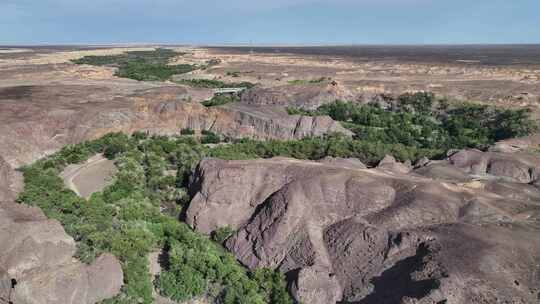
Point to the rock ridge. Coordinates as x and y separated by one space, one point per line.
352 235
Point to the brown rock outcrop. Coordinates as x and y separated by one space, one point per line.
218 201
390 164
371 236
351 163
10 182
33 129
306 96
443 170
522 144
519 167
37 264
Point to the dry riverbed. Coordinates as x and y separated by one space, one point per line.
90 176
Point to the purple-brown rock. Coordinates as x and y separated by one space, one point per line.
352 235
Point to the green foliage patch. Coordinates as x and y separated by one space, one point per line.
233 74
209 137
220 99
187 131
152 72
315 148
306 81
157 56
141 65
125 220
420 120
215 84
222 234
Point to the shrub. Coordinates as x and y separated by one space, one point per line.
215 84
219 100
272 286
233 73
138 135
421 102
209 137
221 234
298 111
115 145
311 81
213 61
187 131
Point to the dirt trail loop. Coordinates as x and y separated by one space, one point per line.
90 176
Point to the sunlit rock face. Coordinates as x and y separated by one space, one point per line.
38 265
385 235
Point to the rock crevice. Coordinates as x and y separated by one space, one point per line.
343 233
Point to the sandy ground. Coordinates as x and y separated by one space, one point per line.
13 51
504 85
89 177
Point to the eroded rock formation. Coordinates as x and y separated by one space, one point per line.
517 167
307 96
37 264
352 235
10 182
162 110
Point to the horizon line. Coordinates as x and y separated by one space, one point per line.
52 44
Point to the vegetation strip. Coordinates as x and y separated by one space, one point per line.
215 84
421 120
312 81
219 100
142 65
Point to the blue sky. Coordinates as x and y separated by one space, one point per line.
270 21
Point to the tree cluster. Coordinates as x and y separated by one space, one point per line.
141 65
125 219
420 120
